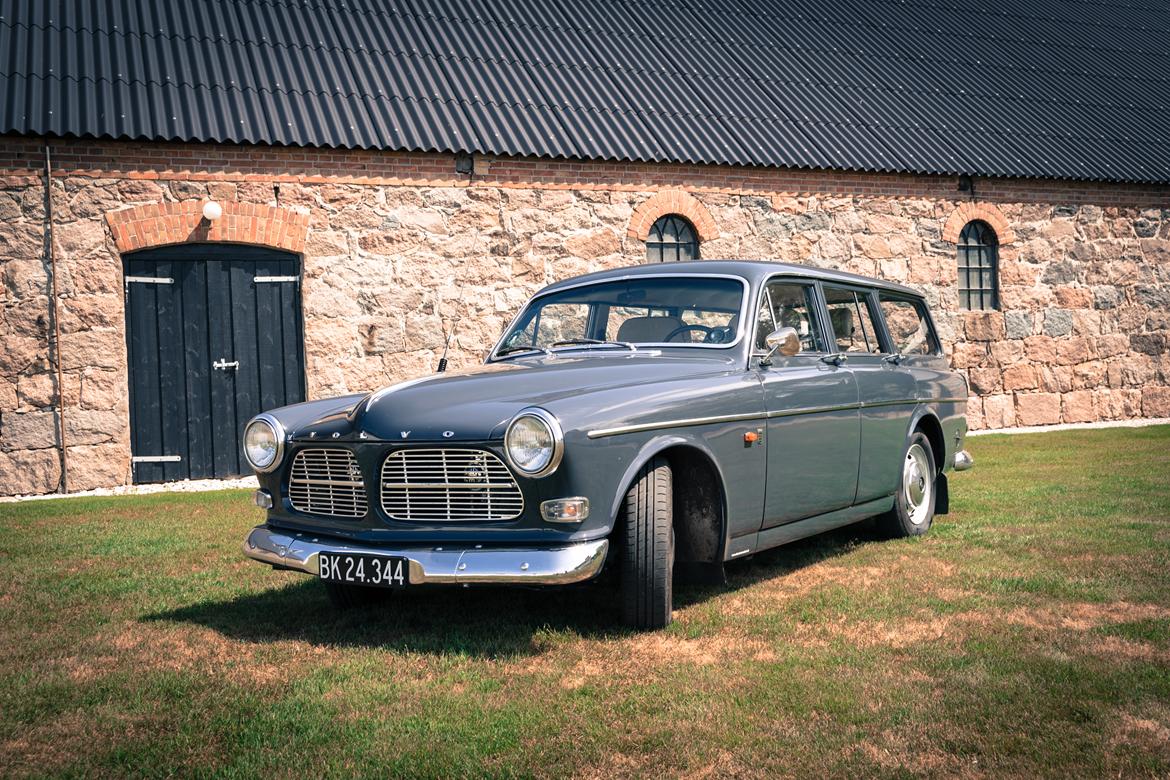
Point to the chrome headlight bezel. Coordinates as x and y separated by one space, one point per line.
550 422
278 434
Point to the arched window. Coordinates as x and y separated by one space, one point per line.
671 238
978 267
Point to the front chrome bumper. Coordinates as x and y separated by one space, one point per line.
963 460
442 565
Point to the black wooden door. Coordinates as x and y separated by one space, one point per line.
214 335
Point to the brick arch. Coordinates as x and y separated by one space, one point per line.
987 212
160 224
672 201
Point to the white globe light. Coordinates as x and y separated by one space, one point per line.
212 211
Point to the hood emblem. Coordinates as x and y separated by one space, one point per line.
363 435
312 434
336 435
405 434
448 434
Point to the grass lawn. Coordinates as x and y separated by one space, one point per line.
1027 634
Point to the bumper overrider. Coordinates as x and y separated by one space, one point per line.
446 564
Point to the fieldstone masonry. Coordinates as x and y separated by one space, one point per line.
393 259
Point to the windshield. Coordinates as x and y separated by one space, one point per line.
661 310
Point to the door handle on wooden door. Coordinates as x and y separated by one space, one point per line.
224 365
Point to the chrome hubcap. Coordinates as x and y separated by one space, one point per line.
917 485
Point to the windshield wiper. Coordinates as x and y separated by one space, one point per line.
522 348
594 342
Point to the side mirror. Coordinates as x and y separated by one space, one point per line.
784 341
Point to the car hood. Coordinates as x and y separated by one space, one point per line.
477 404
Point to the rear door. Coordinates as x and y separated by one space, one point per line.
886 390
214 336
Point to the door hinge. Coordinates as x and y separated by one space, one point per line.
224 365
149 280
263 279
156 458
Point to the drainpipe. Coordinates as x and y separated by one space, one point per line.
55 347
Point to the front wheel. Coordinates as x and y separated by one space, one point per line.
647 567
913 510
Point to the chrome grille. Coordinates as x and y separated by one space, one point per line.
327 482
449 484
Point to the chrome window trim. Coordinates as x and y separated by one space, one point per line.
281 435
558 435
743 311
804 281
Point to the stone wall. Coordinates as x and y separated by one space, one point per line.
400 247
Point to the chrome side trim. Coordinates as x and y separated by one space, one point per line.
814 410
680 423
686 422
963 460
442 565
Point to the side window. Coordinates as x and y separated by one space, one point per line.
789 305
909 329
851 321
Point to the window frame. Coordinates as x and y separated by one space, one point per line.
553 289
869 294
923 312
662 245
985 251
817 303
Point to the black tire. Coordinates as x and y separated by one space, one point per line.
908 517
343 596
647 577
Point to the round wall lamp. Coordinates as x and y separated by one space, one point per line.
212 211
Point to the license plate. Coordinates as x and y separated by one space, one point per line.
359 569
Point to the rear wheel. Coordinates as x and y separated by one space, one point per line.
647 581
914 501
344 596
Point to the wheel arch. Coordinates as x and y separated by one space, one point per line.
926 421
700 495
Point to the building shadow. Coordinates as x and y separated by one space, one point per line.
495 622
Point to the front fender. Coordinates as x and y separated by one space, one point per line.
649 450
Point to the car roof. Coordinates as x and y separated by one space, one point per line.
754 271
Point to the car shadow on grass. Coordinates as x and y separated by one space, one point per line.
495 622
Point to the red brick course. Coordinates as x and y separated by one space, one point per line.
162 224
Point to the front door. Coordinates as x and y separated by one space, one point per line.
813 427
214 336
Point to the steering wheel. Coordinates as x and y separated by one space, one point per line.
687 328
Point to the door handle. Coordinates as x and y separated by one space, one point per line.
835 360
224 365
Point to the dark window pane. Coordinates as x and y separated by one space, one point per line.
672 238
978 261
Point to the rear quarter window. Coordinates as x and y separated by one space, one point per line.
908 325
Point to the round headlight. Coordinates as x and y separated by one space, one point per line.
534 443
264 442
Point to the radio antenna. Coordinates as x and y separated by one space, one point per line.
448 335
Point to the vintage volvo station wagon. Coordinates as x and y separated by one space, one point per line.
646 423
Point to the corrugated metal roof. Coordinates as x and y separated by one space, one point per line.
1034 88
